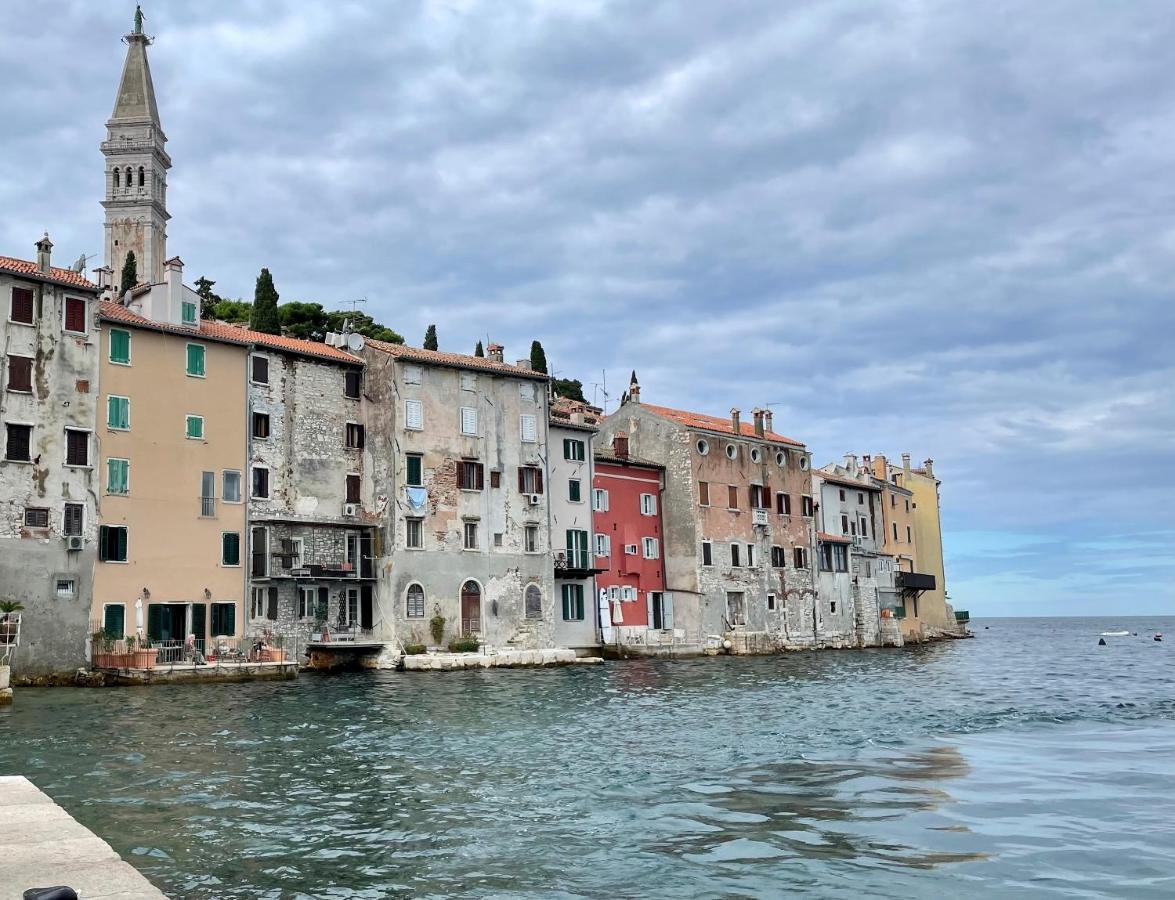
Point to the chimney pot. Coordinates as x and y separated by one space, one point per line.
928 465
496 352
767 426
906 462
757 414
44 254
735 426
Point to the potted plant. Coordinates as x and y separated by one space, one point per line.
97 654
142 654
9 627
436 627
276 653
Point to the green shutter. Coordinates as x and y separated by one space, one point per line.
189 313
195 427
120 346
566 603
121 545
231 548
114 620
117 476
414 474
155 621
195 359
118 413
200 621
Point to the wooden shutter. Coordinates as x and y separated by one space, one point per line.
75 314
200 621
155 621
480 476
538 481
521 480
77 448
271 604
22 305
261 369
114 619
20 373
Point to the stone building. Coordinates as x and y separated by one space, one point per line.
48 479
572 433
738 524
460 448
312 509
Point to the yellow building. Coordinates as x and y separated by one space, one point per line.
172 448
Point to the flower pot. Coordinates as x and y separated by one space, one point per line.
144 657
275 655
8 631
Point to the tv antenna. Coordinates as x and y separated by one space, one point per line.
354 303
80 265
601 387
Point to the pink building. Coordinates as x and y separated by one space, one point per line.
629 545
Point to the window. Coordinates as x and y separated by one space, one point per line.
783 504
118 476
530 480
468 381
648 504
194 427
661 607
188 312
260 426
118 413
599 500
224 619
731 451
20 374
112 543
573 602
533 601
307 602
770 602
21 309
703 493
734 555
120 347
356 436
907 506
603 545
72 523
260 482
414 415
259 369
77 447
470 535
844 524
413 374
470 475
781 459
801 557
19 444
860 499
142 176
756 455
208 494
259 547
895 531
231 486
628 593
114 619
893 501
842 495
731 497
530 539
864 529
230 548
736 608
651 548
415 475
526 392
528 429
573 450
75 315
414 534
909 537
66 587
196 360
574 492
760 497
495 478
707 553
751 555
36 517
354 488
832 606
778 558
415 602
806 508
826 557
703 447
834 557
352 384
468 420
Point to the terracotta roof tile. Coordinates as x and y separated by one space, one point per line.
455 360
603 456
230 334
839 538
844 480
715 423
58 276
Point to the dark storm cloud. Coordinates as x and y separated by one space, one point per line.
936 227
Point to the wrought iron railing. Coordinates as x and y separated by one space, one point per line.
207 507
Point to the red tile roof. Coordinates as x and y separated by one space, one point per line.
839 538
455 360
714 423
846 481
27 269
230 334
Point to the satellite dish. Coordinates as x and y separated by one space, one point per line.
354 342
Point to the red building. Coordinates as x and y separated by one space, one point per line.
629 547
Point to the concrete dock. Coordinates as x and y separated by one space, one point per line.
41 845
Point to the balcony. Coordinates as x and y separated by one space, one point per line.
914 582
208 507
327 570
758 517
574 564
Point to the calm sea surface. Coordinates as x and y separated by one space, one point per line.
1027 762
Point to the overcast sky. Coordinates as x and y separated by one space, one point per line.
941 228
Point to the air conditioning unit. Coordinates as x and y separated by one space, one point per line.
630 549
533 499
74 542
857 540
350 510
759 516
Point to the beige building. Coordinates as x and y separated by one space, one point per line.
172 441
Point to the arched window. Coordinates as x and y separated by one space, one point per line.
130 178
470 608
116 178
534 602
415 601
142 177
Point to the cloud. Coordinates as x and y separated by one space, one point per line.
910 226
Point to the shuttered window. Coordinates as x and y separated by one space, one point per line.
353 488
112 543
120 346
260 370
114 620
356 438
352 383
573 450
188 313
36 517
415 604
224 619
534 602
530 480
413 415
77 447
703 493
230 548
783 504
415 464
21 309
196 360
20 374
75 514
75 315
528 429
468 420
118 476
260 482
118 413
573 602
194 428
470 475
19 443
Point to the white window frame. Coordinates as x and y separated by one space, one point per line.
240 551
188 418
110 397
204 348
468 420
88 432
224 493
64 306
527 545
603 545
67 579
648 504
413 410
528 424
306 610
651 548
121 459
408 521
600 499
268 483
465 524
268 367
628 592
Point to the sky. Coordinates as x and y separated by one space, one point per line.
927 227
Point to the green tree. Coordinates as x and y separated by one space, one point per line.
479 350
207 299
430 338
130 273
235 312
570 388
538 358
265 316
307 321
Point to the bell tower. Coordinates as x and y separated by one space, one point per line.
136 169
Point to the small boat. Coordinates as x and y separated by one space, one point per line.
1159 636
1115 633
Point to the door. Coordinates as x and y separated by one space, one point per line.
366 619
350 611
200 623
470 608
736 608
656 623
577 555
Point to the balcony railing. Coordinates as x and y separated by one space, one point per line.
573 563
207 507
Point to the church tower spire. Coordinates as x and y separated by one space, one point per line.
136 168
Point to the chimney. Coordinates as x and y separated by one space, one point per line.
105 277
44 252
174 269
495 352
735 426
851 463
757 414
522 364
620 445
634 389
881 467
906 465
928 467
767 426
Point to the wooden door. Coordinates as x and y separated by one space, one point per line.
470 608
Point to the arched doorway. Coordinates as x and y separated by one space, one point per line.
470 608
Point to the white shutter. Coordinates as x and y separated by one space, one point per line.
667 611
468 420
412 375
413 415
527 425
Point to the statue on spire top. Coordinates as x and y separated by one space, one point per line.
138 19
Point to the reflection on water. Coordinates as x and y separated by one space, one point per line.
1023 763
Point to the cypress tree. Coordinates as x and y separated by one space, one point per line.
430 338
265 316
130 273
538 358
479 350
